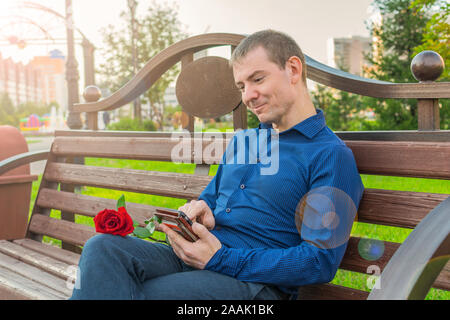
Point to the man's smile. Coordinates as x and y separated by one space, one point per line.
258 107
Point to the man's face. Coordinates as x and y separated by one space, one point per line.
266 89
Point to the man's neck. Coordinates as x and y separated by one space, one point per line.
301 110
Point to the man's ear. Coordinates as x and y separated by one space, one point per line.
295 68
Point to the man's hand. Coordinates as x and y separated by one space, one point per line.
198 253
200 212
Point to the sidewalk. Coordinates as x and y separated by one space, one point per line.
43 144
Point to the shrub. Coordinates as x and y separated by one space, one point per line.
128 124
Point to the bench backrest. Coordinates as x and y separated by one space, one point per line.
63 175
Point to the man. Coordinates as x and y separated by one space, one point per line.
261 235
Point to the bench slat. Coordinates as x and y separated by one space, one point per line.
109 147
402 158
353 261
15 286
139 148
397 208
73 233
33 273
443 279
169 184
65 256
330 291
50 265
11 293
89 205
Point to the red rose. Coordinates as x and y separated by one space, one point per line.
114 222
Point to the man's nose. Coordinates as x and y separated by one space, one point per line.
248 95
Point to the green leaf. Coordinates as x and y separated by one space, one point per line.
121 202
151 227
150 224
141 232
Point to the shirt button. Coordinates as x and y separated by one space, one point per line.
242 186
227 210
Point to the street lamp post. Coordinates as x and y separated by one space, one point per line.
72 76
88 53
132 4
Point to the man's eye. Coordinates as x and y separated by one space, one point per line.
259 79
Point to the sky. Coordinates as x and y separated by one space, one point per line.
310 23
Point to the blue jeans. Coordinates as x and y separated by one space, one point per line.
115 267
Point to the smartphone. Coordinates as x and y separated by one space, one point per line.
178 221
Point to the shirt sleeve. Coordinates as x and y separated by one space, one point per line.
325 222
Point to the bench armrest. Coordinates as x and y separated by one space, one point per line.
414 267
21 159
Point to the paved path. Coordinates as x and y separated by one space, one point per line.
43 144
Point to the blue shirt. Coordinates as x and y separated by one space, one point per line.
284 205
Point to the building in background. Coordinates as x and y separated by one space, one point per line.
21 83
348 53
42 80
52 68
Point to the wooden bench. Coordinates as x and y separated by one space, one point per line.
30 269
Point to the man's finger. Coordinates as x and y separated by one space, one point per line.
176 241
175 237
200 230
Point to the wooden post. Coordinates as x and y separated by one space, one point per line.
427 67
92 120
428 114
240 117
92 94
72 76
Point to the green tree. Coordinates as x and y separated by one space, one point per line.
399 33
398 38
437 38
11 115
7 110
341 109
436 34
157 29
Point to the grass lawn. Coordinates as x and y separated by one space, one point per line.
345 278
29 141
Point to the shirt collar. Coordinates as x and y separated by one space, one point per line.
308 127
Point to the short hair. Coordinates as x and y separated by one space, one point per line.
278 45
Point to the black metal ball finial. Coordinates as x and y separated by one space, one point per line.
427 66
